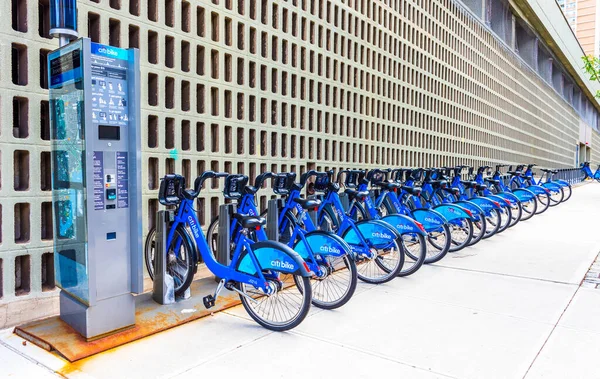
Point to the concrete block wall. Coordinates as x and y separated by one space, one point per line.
253 85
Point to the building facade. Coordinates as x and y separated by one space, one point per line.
253 85
582 16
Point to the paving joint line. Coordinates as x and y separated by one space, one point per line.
39 364
367 352
507 275
550 334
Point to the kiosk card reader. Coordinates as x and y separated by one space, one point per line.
96 191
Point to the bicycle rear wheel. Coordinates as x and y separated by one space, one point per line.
180 258
567 190
556 196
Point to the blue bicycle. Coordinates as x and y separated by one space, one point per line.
376 245
364 207
555 189
585 167
465 220
329 258
527 198
264 274
518 180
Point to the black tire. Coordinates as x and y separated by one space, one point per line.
211 235
529 209
387 272
414 245
437 242
556 196
516 213
492 223
567 190
543 201
461 235
305 293
505 218
479 228
317 284
182 270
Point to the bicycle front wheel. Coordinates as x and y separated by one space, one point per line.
337 286
285 309
543 202
415 251
461 233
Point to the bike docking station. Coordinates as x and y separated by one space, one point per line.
97 204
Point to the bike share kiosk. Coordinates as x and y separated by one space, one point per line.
96 176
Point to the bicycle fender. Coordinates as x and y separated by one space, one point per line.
523 194
539 190
486 204
273 255
430 219
380 234
514 199
323 243
453 212
404 224
552 186
562 183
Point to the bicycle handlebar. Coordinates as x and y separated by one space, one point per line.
202 178
260 179
304 177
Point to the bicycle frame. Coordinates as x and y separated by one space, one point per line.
306 251
250 265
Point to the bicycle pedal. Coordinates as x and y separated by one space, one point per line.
209 301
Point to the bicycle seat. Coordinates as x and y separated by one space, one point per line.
545 170
469 183
515 173
529 177
388 185
415 191
308 203
493 181
250 222
438 183
355 193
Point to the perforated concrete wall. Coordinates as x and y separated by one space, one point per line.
253 85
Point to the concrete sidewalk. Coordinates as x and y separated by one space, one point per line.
510 307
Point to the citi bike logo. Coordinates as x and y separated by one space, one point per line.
108 51
432 220
329 249
383 235
283 264
340 213
404 227
194 227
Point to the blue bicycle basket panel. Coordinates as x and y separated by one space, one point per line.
452 212
379 236
485 204
268 259
322 244
524 195
403 224
430 220
538 190
508 196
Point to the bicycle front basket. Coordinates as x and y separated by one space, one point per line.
322 183
234 186
171 188
282 183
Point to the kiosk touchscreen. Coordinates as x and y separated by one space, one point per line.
95 126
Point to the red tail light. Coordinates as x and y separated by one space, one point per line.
420 226
496 203
469 212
